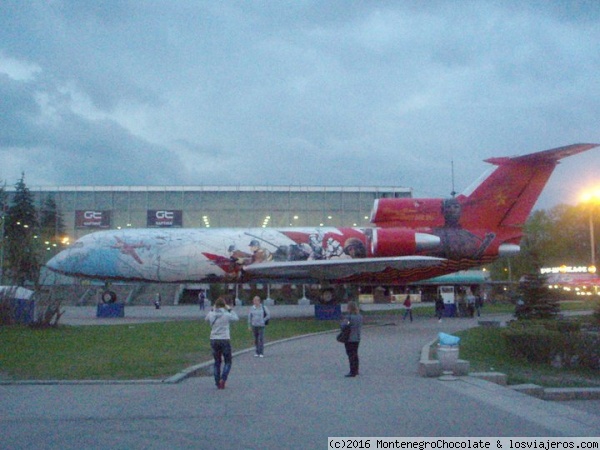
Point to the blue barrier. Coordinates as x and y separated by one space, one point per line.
108 310
328 312
24 311
450 310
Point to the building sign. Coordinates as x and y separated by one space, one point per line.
164 218
92 219
567 269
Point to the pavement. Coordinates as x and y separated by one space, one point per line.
295 397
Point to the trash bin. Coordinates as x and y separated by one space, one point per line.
447 351
447 356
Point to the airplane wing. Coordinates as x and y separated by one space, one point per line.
338 269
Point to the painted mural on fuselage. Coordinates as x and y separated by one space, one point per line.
184 254
208 255
258 245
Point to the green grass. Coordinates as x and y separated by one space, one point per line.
141 351
160 350
486 351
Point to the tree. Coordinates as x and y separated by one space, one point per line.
536 301
52 228
569 236
550 238
22 245
3 208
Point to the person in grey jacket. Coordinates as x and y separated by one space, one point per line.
258 317
354 321
219 318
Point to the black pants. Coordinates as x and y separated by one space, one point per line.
352 352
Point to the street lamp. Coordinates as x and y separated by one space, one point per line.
592 198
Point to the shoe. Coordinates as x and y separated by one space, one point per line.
261 356
256 355
221 384
350 375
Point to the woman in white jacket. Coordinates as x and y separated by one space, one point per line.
258 317
219 318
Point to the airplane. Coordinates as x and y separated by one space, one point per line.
411 239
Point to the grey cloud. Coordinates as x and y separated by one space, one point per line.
301 92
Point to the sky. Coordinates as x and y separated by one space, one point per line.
320 93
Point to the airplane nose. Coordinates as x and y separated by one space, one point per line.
56 262
68 260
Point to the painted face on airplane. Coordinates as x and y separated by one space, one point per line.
451 210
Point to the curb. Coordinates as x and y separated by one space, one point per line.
432 368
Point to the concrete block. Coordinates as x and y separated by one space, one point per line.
530 389
494 377
461 368
489 323
430 368
563 394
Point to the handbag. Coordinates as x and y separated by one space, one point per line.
344 334
265 315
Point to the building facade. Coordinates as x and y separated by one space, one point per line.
84 209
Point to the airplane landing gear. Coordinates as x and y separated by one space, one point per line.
108 297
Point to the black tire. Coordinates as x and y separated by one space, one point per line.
327 297
109 297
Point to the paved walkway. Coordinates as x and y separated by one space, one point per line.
295 397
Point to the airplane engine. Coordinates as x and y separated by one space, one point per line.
400 242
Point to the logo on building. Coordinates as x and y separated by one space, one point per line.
164 218
92 219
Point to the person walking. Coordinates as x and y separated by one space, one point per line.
408 308
258 317
219 318
439 307
354 321
478 304
201 299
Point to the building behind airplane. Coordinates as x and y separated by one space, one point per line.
407 239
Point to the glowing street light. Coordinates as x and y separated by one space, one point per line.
592 198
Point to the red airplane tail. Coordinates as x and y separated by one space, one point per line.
506 197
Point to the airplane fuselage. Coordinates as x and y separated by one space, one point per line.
227 254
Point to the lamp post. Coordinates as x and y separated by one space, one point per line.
592 198
592 243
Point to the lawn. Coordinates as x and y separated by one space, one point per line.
160 350
486 351
142 351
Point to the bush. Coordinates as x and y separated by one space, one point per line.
597 313
553 342
536 344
